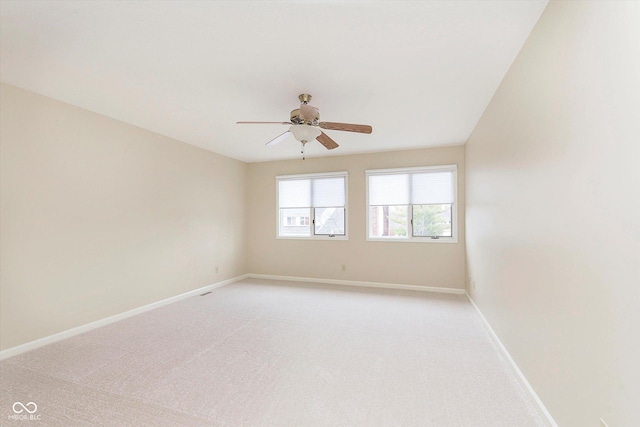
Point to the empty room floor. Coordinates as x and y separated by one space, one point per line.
271 353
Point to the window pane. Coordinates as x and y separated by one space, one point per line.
389 189
329 221
432 220
432 188
388 221
328 192
294 193
294 222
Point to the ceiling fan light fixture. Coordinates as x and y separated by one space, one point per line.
305 133
306 126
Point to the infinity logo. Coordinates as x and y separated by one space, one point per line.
22 407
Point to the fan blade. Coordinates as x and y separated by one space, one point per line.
264 123
346 126
328 143
279 138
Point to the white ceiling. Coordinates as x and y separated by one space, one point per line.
421 73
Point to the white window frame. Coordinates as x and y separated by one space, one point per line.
410 237
312 235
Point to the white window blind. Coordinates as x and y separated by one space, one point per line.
295 193
328 192
432 188
305 193
389 189
417 188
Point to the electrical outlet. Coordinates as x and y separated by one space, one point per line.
473 285
344 267
217 269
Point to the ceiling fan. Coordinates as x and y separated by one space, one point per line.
305 126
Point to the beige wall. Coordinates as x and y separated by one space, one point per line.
553 208
426 264
99 217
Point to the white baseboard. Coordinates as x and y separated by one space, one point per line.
359 283
512 362
13 351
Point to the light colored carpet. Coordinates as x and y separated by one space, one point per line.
266 353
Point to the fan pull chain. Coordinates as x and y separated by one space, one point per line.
302 151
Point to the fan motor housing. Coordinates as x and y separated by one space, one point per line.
295 116
296 119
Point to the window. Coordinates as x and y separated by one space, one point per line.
413 204
312 206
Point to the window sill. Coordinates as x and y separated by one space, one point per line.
413 240
312 238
